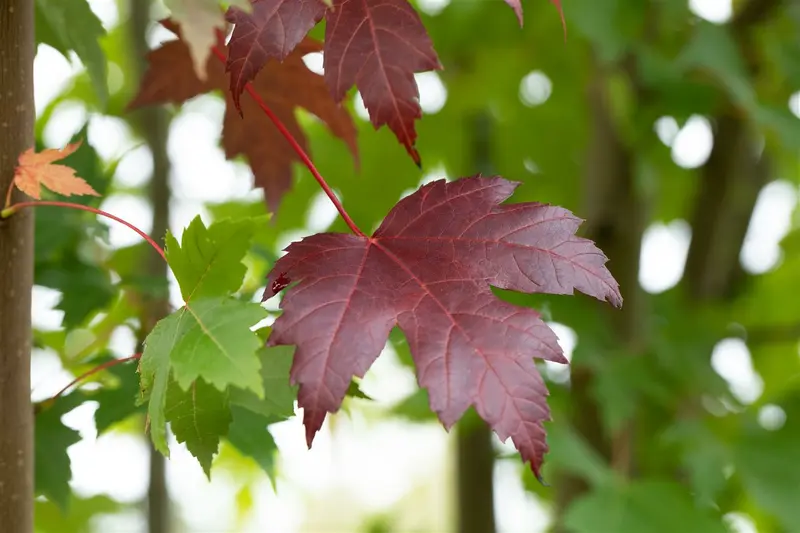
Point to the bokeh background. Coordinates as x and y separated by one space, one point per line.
671 126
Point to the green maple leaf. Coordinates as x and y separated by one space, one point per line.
51 440
210 337
249 434
208 262
119 402
154 369
199 416
279 395
211 340
216 344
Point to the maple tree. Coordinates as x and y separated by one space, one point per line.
416 269
454 265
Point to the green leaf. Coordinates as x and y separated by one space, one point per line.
211 340
713 49
279 395
415 407
769 465
354 391
646 506
71 25
598 21
65 245
249 434
198 416
208 262
119 402
50 518
154 369
127 263
86 288
569 452
705 457
216 344
52 438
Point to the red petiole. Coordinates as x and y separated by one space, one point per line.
5 213
298 150
95 370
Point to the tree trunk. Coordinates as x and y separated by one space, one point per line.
730 183
17 114
475 473
616 213
475 455
154 127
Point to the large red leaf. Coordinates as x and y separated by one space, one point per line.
428 269
272 30
284 86
378 45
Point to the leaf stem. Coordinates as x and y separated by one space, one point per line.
7 212
298 150
8 195
95 370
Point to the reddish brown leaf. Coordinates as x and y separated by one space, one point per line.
199 19
378 45
272 30
428 269
37 169
283 86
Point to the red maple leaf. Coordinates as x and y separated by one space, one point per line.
378 45
272 30
428 269
284 86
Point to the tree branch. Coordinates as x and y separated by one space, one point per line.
297 149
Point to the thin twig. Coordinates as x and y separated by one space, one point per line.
5 213
8 195
95 370
298 150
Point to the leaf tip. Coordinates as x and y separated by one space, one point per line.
415 157
277 285
312 420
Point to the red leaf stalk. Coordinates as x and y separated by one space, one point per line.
5 213
298 150
95 370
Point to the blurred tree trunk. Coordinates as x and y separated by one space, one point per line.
729 186
17 113
154 127
475 454
616 215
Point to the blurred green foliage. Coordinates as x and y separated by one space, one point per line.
699 452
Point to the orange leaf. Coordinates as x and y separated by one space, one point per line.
36 170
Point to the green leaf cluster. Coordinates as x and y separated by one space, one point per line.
204 359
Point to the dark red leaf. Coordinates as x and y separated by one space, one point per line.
378 45
283 86
428 269
272 30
